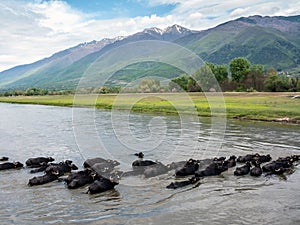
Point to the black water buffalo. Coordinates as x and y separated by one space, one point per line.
219 159
295 158
256 171
38 161
231 162
101 185
140 155
47 178
280 166
254 157
61 168
81 178
137 163
10 165
141 162
2 159
215 168
243 170
189 168
246 158
179 184
41 168
262 158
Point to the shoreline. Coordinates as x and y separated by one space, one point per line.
277 107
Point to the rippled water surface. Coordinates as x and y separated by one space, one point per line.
30 131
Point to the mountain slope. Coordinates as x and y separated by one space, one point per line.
69 74
46 69
271 41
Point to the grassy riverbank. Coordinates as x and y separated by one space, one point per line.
253 106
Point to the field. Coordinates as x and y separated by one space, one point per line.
251 106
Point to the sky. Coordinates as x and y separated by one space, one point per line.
34 29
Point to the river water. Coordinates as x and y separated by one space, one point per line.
76 134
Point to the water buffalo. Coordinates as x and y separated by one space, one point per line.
243 170
81 178
189 168
179 184
256 171
143 163
61 168
140 164
279 166
2 159
10 165
140 155
47 178
231 162
254 157
215 168
220 159
262 158
295 158
246 158
41 168
38 161
101 185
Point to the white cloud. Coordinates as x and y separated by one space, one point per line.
57 16
239 12
31 31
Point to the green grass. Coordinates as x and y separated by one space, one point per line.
252 106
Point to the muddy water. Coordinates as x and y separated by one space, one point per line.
29 131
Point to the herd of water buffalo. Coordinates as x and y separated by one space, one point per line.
102 175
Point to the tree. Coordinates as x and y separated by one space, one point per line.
239 68
205 78
192 85
220 71
272 72
35 91
255 78
277 83
181 81
149 86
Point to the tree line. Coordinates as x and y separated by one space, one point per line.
239 75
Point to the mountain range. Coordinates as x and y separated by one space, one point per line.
271 41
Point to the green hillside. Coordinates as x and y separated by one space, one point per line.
265 46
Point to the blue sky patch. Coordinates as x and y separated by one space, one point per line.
110 9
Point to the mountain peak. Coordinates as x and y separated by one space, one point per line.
170 33
176 29
153 30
